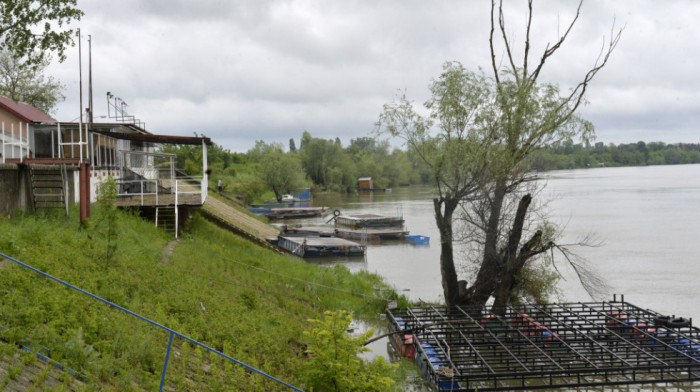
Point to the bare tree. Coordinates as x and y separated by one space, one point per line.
487 129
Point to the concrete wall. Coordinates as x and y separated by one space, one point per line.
13 189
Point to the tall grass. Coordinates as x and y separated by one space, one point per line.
245 301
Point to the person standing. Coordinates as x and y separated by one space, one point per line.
219 185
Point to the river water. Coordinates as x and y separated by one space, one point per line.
647 217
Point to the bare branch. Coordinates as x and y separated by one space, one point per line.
549 51
493 51
527 38
502 25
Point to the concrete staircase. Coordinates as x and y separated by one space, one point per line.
239 222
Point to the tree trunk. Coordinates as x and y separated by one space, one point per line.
485 281
450 286
511 263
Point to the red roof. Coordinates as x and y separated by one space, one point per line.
24 111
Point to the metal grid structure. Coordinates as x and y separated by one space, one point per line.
547 346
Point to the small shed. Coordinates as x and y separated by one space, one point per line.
365 183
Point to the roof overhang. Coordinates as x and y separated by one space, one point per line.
150 138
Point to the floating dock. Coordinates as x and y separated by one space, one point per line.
295 212
362 234
371 234
368 220
321 246
574 345
308 231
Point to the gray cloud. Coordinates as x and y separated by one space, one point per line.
240 71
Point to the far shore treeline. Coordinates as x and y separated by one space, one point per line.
327 165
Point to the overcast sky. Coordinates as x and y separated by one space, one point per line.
241 71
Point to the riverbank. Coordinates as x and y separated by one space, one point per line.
248 302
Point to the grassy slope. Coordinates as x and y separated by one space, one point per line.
202 290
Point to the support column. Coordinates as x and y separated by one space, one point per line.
205 175
84 185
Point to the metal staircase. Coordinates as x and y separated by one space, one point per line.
48 187
165 218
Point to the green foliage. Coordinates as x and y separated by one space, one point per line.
32 27
207 289
23 81
570 155
334 364
107 216
282 173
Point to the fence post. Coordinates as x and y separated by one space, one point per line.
176 211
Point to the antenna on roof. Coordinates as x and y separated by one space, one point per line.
119 113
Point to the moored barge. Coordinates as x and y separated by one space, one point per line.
321 246
368 220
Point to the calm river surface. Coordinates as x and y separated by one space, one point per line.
647 217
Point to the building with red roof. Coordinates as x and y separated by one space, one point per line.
46 150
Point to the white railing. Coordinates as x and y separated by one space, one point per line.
15 142
125 188
180 188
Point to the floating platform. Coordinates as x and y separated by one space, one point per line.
371 234
273 204
295 212
308 231
362 234
368 220
321 246
572 345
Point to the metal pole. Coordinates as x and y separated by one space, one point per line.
165 365
80 77
20 142
205 177
176 210
90 115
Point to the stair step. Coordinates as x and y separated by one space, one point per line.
47 187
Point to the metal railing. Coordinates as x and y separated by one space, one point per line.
137 188
170 331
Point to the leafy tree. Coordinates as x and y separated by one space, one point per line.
31 28
262 149
23 81
486 130
282 173
334 364
292 145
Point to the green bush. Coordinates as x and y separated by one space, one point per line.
207 289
